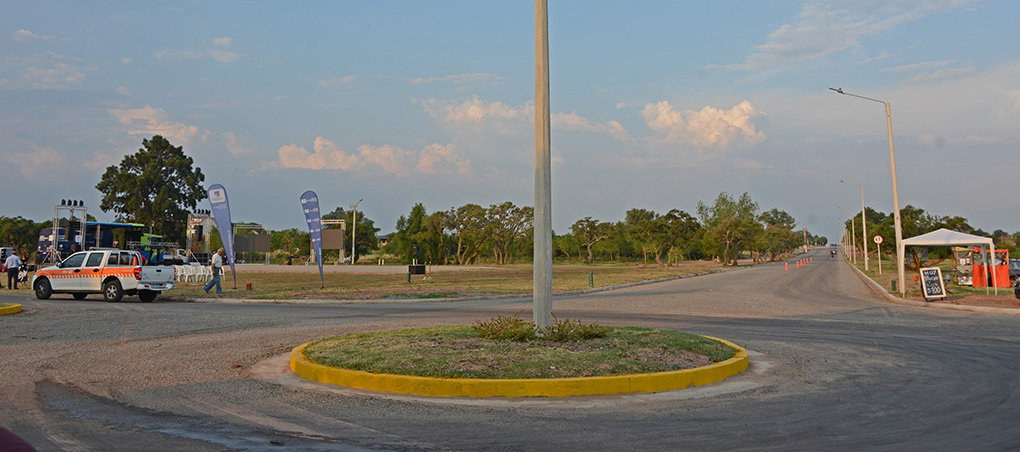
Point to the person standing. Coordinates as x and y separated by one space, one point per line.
13 264
217 268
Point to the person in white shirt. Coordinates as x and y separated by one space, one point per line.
217 268
13 263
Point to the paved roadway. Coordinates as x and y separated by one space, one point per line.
832 368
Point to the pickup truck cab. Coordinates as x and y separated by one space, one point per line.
112 273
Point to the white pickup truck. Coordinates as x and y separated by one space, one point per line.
110 272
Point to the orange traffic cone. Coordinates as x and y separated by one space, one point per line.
798 264
786 267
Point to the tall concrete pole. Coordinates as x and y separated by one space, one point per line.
900 249
864 228
543 172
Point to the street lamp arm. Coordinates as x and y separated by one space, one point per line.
840 90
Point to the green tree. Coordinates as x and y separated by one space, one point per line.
589 232
155 186
468 225
505 223
566 244
731 223
20 233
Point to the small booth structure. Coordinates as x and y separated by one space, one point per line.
999 268
945 237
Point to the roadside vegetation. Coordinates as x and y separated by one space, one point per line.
459 352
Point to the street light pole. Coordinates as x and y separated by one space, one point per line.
354 228
895 193
864 226
542 277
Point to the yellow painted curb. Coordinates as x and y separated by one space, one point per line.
549 387
13 309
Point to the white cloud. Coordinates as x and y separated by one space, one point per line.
216 52
460 79
477 110
155 121
940 74
829 27
122 90
38 164
235 145
59 75
918 66
709 127
25 35
442 159
333 81
126 60
326 155
576 123
505 119
373 160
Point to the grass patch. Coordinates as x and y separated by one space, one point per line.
458 352
4 305
503 280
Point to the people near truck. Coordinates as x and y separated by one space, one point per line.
13 264
217 268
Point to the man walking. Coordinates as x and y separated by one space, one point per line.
13 264
217 268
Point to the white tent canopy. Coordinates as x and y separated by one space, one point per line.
945 237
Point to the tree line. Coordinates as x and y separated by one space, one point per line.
503 233
916 221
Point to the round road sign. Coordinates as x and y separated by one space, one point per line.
878 239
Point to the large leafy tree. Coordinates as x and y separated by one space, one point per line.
731 223
20 233
156 186
588 232
468 225
505 223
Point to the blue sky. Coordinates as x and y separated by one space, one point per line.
656 104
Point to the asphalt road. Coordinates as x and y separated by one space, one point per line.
832 368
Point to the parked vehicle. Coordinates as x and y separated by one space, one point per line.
1014 268
111 272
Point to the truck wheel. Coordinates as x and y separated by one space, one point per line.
147 295
79 296
112 291
43 289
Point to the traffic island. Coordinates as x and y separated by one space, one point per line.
9 308
371 378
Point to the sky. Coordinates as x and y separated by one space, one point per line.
655 104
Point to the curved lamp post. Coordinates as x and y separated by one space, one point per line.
895 194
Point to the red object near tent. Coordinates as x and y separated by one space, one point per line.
1000 267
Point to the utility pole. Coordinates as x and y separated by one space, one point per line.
542 308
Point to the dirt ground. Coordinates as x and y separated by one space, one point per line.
980 300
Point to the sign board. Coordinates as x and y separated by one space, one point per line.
247 243
878 239
932 284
